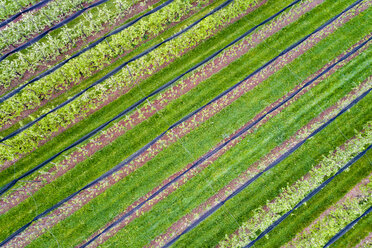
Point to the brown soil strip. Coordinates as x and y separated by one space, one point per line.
240 232
355 192
179 226
172 136
160 103
108 97
80 43
111 94
99 103
59 90
147 207
21 16
367 240
85 4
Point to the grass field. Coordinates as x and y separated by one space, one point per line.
145 163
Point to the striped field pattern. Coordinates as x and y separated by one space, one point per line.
186 123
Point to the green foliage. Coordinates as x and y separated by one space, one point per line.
123 80
117 198
264 216
361 232
9 8
60 41
114 200
340 214
36 21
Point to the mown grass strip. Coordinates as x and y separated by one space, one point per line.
75 48
170 237
196 185
217 149
308 197
349 72
40 154
360 231
56 186
294 161
307 214
230 217
160 90
135 182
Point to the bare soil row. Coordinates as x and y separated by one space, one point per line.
106 28
84 197
195 170
181 225
129 123
60 90
355 192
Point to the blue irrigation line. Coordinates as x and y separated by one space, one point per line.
277 161
216 150
59 65
11 184
347 228
133 156
40 36
35 6
114 71
308 197
92 133
132 107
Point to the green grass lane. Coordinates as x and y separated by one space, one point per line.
137 139
107 206
269 185
85 83
255 58
111 110
115 153
306 214
232 164
72 134
71 25
360 231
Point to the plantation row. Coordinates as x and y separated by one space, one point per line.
340 216
163 99
96 58
359 235
34 22
123 79
56 44
270 131
11 8
291 195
